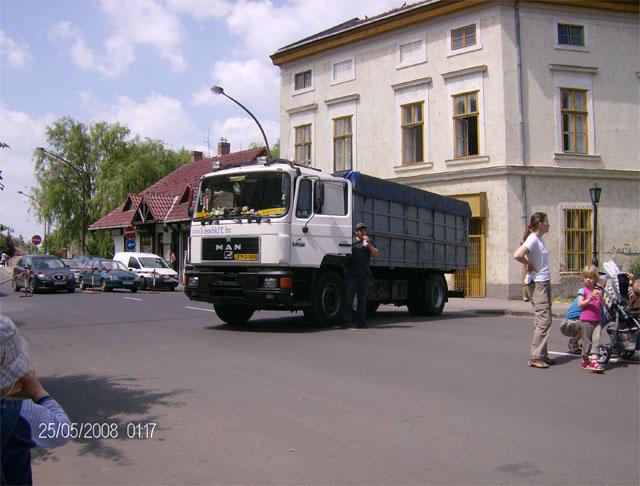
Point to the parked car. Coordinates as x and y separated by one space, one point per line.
108 275
152 269
75 267
42 272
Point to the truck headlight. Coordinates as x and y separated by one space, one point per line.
270 283
192 281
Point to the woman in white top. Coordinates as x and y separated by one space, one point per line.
533 254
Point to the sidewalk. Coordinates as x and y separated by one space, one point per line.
500 307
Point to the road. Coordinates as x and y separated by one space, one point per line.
446 400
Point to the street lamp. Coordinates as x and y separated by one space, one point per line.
35 201
84 193
594 192
218 90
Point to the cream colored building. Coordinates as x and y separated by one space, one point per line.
516 107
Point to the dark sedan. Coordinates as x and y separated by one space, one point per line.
42 272
107 275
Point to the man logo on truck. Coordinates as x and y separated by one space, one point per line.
227 247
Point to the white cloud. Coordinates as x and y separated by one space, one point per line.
13 54
293 21
200 9
243 131
158 117
253 82
23 134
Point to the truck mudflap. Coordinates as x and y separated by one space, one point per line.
259 289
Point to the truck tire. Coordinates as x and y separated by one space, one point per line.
436 294
326 300
233 314
429 296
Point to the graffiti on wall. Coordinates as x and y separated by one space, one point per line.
624 253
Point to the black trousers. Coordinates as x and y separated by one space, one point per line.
358 287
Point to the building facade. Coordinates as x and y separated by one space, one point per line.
515 107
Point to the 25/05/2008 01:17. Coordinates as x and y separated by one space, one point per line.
97 430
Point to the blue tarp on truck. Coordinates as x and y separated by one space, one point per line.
413 228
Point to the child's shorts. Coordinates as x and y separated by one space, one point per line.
570 327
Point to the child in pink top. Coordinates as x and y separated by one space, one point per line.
590 301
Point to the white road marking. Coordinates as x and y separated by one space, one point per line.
563 354
133 298
199 308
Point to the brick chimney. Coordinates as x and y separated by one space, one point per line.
224 147
196 155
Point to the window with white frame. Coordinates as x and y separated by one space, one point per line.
465 121
302 145
412 52
343 70
463 37
342 144
303 80
413 133
574 121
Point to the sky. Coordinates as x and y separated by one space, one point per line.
148 65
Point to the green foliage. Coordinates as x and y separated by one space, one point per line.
274 153
635 268
6 245
100 168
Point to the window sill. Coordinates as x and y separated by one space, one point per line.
302 91
572 48
476 159
417 166
464 50
569 157
408 65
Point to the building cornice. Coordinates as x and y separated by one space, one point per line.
518 170
302 109
342 99
411 84
411 16
463 72
573 69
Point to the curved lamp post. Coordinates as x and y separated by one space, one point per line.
44 237
84 194
219 90
595 192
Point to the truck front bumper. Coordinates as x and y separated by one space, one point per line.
246 288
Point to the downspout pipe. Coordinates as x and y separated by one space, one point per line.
523 159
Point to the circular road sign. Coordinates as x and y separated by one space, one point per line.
36 239
131 245
129 232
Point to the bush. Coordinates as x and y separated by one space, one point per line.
635 268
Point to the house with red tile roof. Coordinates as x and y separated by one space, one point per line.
156 220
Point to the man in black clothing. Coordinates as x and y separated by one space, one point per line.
359 276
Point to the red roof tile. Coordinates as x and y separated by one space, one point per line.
161 196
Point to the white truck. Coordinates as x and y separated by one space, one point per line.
277 236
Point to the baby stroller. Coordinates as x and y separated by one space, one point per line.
623 324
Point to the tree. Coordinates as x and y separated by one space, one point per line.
67 173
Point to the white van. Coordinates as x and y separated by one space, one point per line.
149 267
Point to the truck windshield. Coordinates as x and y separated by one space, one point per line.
264 194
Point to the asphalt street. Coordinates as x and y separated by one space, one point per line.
447 400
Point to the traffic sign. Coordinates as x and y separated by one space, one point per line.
129 232
130 245
36 239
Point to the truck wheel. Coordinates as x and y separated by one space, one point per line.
436 294
233 314
326 301
372 307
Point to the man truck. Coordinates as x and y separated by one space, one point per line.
274 235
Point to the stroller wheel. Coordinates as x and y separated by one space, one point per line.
627 354
605 355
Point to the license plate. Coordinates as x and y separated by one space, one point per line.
246 257
127 282
59 283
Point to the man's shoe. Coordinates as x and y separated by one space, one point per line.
549 361
537 363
